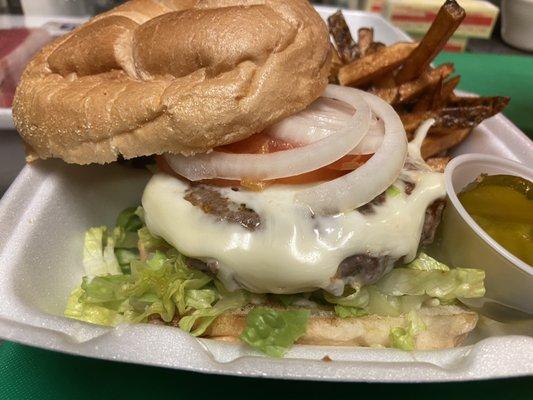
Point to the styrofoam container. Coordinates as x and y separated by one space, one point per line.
43 217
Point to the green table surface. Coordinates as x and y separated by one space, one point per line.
29 373
33 374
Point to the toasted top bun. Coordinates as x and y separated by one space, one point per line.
179 76
446 327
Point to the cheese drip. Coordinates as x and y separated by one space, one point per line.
292 251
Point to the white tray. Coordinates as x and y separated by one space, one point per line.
15 21
47 209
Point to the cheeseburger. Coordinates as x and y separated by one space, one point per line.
281 210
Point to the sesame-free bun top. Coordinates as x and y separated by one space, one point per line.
179 76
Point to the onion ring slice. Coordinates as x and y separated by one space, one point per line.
286 163
372 178
321 119
372 140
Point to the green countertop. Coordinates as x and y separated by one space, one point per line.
32 374
29 373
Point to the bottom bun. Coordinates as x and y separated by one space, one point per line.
446 327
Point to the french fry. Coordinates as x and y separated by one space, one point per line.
448 19
374 47
385 81
438 131
466 112
342 38
430 98
438 97
385 87
498 103
461 116
446 92
435 144
410 90
412 120
365 38
401 75
449 86
336 63
363 70
389 94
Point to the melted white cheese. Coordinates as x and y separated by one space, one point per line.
291 251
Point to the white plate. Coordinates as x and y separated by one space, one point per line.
55 24
6 119
47 209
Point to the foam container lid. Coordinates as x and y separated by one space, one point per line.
46 211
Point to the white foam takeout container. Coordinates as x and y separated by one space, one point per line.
43 217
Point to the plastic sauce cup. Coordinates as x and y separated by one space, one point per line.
463 243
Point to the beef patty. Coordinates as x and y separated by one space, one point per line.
361 269
214 203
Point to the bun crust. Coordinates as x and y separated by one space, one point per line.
179 76
446 327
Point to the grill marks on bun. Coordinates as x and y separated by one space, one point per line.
150 77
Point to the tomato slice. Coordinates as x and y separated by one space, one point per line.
263 144
349 162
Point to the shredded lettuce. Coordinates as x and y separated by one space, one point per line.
99 253
347 312
200 298
455 283
274 332
405 289
200 319
162 285
125 239
129 219
351 298
426 263
286 299
405 338
369 300
125 257
149 243
94 313
381 304
139 211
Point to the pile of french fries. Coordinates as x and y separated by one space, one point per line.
402 75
